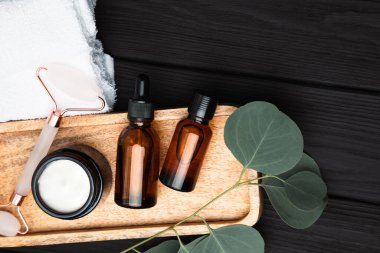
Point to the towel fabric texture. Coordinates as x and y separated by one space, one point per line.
36 33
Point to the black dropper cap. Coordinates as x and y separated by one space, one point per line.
139 107
202 106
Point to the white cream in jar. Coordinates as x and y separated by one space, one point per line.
64 186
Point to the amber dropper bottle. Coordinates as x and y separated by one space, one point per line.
137 165
188 145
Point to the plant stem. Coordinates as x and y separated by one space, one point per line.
242 173
148 239
205 222
179 240
195 214
279 178
256 179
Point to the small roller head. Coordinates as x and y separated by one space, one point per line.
9 224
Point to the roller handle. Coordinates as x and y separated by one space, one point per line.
39 151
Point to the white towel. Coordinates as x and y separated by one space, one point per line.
35 33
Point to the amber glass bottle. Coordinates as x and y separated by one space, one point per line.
137 164
188 145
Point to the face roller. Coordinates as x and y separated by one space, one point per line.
65 79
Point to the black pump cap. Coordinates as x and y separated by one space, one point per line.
202 106
139 107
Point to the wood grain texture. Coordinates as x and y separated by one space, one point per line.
341 129
334 43
345 226
109 221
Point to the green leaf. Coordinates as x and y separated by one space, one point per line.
305 164
231 239
171 246
290 203
191 245
305 190
289 213
262 137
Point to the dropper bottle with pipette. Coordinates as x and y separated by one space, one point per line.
137 164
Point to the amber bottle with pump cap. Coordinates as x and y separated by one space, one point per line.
188 145
137 166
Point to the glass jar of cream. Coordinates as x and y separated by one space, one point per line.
67 184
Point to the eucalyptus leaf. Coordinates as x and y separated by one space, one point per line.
306 190
262 137
190 246
231 239
289 213
288 202
305 164
171 246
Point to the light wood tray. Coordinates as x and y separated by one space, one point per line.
109 221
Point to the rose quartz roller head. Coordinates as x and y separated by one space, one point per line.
73 83
10 225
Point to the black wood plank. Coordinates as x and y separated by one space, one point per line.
334 42
340 127
345 226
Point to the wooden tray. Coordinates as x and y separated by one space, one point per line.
109 221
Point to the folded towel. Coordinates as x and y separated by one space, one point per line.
38 32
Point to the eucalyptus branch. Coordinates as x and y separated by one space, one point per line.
196 213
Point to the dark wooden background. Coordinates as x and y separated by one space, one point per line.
317 60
